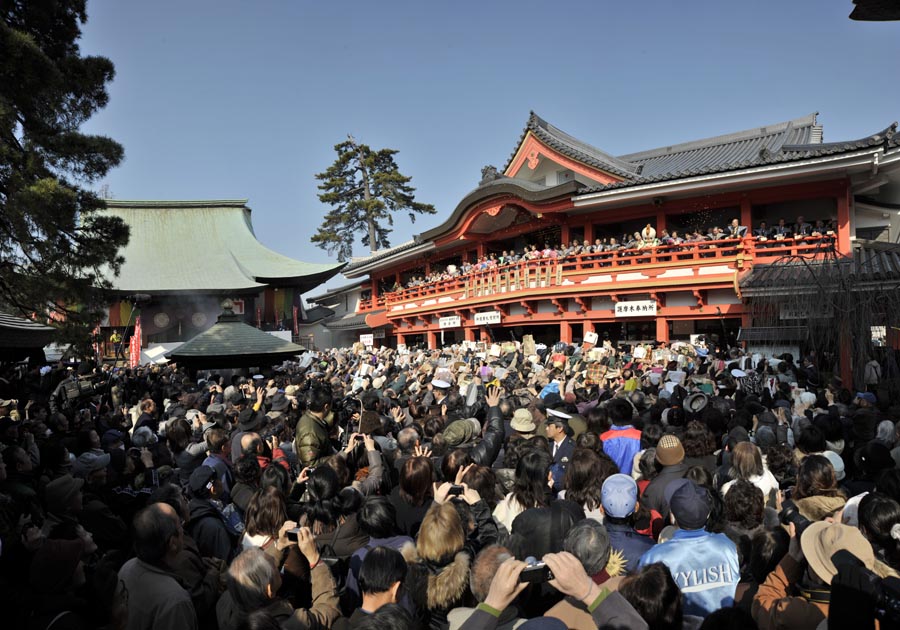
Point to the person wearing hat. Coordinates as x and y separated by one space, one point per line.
704 565
561 445
523 423
207 525
670 460
807 568
619 501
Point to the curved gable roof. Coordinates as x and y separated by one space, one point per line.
202 246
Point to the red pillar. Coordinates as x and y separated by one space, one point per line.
374 290
747 214
470 334
401 339
589 232
660 221
843 219
662 329
565 332
432 337
564 234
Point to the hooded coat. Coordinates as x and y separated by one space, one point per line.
437 588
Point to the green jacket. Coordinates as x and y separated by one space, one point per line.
311 443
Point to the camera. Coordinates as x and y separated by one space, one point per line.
536 573
455 491
790 514
859 596
292 534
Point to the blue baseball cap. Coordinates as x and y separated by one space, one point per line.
688 502
619 495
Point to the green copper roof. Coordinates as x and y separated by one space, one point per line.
202 247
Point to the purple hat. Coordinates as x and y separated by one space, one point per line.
688 502
619 495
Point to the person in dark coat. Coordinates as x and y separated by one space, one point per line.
670 461
207 526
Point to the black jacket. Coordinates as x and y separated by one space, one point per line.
208 529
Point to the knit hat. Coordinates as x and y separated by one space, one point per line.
688 502
619 495
59 493
669 451
54 565
821 540
522 421
110 437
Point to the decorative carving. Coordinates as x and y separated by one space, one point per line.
529 309
534 159
489 173
560 307
493 210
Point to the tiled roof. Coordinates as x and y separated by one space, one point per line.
202 247
336 291
574 148
381 253
350 321
871 265
787 141
16 332
232 343
794 140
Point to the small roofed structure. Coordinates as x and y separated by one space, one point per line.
231 343
20 338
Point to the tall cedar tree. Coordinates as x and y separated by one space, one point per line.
55 251
364 188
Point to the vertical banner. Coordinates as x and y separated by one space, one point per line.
259 317
296 321
135 344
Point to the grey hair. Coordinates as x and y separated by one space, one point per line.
248 576
589 542
406 439
886 432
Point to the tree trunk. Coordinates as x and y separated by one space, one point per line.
367 195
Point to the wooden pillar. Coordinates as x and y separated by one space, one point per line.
432 338
564 234
747 214
482 249
470 333
662 329
565 332
401 339
588 326
843 220
374 290
589 232
660 221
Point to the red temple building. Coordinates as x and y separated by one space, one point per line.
555 189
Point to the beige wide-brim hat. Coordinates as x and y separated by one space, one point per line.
821 540
523 421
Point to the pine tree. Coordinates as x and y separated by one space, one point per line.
54 247
364 188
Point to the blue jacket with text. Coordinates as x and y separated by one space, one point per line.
704 565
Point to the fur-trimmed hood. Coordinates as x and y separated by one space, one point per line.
438 588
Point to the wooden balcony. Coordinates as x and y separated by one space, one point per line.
617 271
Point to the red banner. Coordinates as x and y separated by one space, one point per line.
134 358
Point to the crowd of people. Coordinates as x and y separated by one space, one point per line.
519 487
633 244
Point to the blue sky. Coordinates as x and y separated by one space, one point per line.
232 99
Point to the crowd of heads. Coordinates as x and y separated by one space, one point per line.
662 486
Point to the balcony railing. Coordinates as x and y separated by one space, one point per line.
528 275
